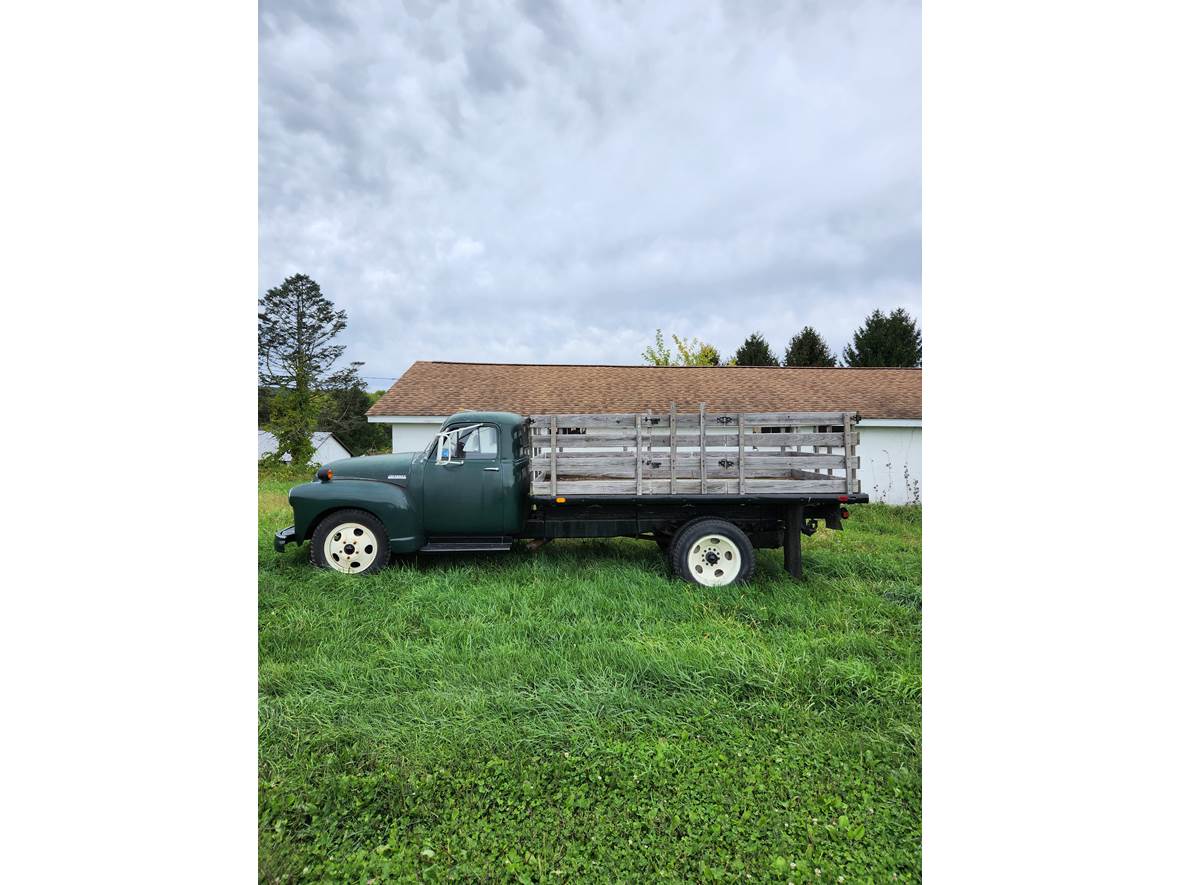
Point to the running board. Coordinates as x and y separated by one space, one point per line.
488 546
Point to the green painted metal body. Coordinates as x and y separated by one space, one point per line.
417 499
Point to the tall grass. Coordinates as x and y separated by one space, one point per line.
578 714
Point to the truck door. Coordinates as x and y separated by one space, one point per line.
463 484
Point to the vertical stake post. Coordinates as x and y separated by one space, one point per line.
703 469
741 453
672 450
638 456
553 455
849 476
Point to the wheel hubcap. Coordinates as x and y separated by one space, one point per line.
714 560
350 547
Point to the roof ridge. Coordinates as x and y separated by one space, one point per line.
636 366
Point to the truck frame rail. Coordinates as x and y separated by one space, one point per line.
789 454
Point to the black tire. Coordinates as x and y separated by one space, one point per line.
704 551
329 536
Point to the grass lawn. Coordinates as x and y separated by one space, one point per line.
576 714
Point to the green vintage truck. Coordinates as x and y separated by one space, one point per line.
707 487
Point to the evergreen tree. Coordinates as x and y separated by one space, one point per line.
893 341
296 356
344 415
754 352
809 349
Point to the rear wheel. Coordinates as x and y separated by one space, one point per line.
712 553
350 541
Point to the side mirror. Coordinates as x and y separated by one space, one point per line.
448 449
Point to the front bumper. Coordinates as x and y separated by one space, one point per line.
283 537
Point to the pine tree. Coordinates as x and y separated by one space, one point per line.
809 349
893 341
754 352
344 415
296 325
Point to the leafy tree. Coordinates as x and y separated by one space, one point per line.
754 352
697 353
292 419
688 353
296 356
344 415
885 341
658 355
808 349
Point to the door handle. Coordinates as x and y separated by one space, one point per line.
492 468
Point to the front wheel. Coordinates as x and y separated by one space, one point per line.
350 541
712 553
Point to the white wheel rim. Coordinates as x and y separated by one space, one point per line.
714 560
350 547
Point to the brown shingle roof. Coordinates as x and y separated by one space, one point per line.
430 388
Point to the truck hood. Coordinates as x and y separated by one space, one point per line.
374 467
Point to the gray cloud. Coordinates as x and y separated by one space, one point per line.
538 182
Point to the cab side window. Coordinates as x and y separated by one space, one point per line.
481 444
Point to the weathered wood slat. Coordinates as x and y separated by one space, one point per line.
690 487
663 438
792 419
714 459
793 439
622 468
794 486
712 419
811 474
712 455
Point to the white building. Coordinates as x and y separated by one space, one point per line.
889 402
327 447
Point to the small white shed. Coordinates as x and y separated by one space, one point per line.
327 447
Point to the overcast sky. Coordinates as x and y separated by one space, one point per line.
540 182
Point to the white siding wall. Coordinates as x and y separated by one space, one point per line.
328 451
414 437
886 455
325 447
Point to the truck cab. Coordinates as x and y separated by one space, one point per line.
475 477
467 491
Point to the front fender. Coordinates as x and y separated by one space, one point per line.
389 503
